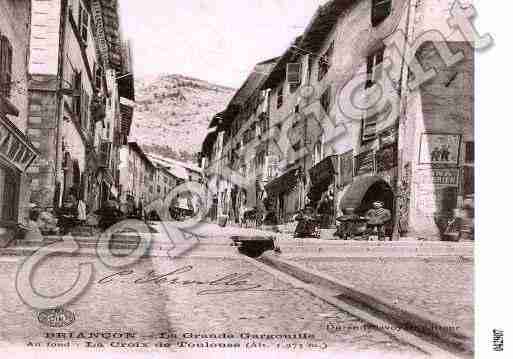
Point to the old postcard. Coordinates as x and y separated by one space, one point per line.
233 178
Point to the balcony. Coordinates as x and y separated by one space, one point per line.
98 108
104 155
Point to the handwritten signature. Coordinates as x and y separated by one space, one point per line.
229 283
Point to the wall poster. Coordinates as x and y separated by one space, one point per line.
439 148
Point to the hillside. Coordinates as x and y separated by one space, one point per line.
173 112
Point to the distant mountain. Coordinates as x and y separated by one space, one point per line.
173 112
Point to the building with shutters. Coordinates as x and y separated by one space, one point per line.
136 175
234 152
329 153
16 150
79 71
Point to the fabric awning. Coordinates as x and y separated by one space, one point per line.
353 194
286 182
321 176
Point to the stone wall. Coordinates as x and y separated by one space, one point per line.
14 20
444 107
42 132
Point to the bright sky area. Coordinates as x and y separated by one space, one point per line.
214 40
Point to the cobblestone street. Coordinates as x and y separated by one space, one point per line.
158 311
442 287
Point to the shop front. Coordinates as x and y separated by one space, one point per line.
284 195
361 194
16 155
321 193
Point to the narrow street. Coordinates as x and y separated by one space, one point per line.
155 313
259 176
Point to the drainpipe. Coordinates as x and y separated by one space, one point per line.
402 107
59 95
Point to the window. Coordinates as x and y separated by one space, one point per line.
5 66
469 152
77 87
374 68
380 11
326 99
369 128
83 23
325 61
98 77
317 152
296 146
85 109
279 101
294 76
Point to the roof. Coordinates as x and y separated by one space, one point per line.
278 71
311 41
322 23
177 171
135 146
253 83
208 143
175 166
257 76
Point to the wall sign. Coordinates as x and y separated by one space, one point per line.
439 148
365 162
346 167
440 176
386 158
388 136
15 148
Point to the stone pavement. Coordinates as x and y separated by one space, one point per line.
168 311
441 287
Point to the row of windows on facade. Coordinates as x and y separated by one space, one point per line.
294 79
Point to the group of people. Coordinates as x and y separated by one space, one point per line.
74 213
371 224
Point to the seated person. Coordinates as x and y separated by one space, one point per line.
377 217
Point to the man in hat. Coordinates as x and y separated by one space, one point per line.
377 217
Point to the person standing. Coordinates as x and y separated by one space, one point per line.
377 217
82 212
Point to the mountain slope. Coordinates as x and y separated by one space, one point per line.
173 112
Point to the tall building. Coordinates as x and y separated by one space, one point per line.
17 152
76 60
136 175
351 122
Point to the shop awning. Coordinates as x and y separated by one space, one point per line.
321 176
105 176
15 146
353 194
286 182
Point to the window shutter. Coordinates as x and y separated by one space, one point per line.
5 66
369 128
8 73
85 24
326 99
380 11
294 73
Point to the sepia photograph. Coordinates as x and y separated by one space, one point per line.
239 178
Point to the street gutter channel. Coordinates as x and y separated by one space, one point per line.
350 302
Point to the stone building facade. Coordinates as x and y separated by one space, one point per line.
136 175
347 126
74 100
16 150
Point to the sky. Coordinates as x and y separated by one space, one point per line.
214 40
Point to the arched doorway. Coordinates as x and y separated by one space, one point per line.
363 191
67 169
379 191
77 190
